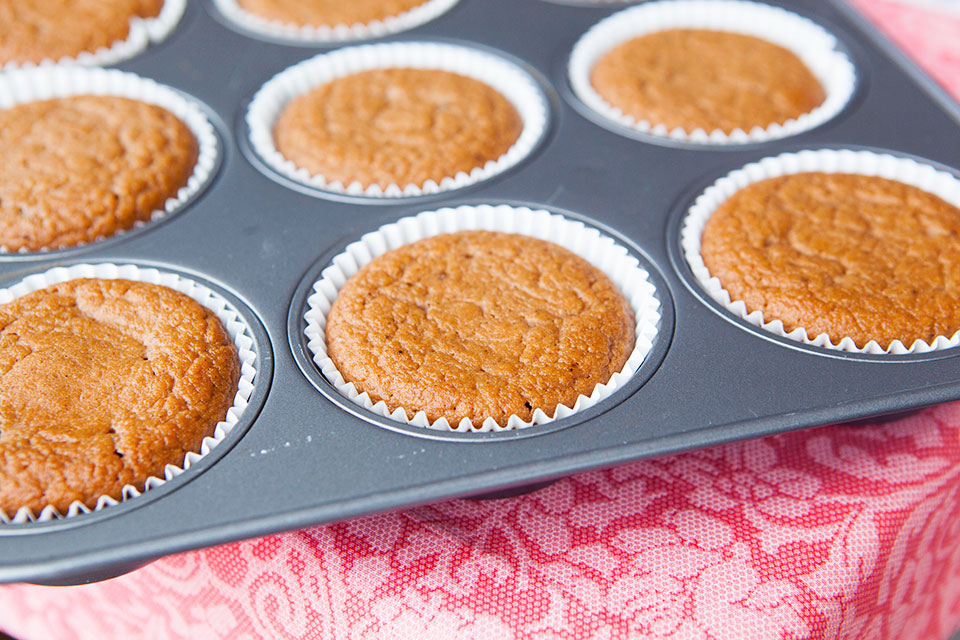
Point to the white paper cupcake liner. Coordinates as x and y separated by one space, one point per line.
143 32
815 46
868 163
600 250
29 85
325 34
232 321
511 81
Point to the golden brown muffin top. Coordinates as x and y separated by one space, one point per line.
102 383
699 79
51 29
479 324
845 255
397 126
76 169
328 13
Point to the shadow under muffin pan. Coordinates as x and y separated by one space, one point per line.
310 456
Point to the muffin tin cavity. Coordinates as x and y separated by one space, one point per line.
812 44
602 251
238 17
509 79
255 373
29 85
143 32
941 183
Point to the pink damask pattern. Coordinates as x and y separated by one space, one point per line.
929 35
837 532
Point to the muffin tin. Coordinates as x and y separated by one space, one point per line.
302 454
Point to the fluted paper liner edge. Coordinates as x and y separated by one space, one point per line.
333 34
599 249
44 83
902 169
143 32
515 84
235 325
813 44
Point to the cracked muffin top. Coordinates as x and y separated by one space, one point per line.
479 324
396 126
77 169
847 255
51 29
702 79
328 13
102 384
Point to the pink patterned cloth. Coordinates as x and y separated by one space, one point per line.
836 532
930 36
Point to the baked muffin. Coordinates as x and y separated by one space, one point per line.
842 254
479 324
77 169
51 29
328 13
102 384
396 126
702 79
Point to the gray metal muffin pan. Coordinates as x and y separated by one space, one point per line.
304 456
